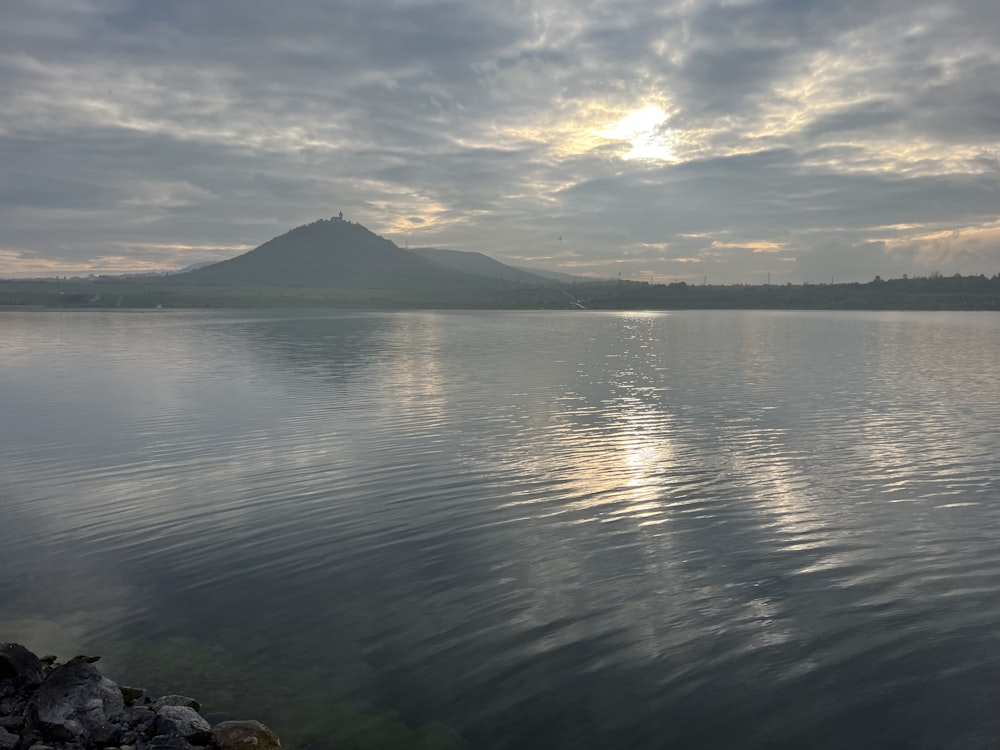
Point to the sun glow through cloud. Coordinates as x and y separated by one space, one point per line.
642 129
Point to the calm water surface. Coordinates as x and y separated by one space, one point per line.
545 530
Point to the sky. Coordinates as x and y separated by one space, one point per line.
812 140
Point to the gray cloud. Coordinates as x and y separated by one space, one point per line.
865 116
673 139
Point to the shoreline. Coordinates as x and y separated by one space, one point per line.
50 705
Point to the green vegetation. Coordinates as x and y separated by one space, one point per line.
922 293
934 292
147 294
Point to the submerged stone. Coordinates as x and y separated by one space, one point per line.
244 735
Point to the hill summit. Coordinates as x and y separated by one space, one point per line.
334 254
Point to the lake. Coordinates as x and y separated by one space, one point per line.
523 529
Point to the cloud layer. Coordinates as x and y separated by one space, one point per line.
804 138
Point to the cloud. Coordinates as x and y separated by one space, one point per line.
499 127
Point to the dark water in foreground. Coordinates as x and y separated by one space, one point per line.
545 530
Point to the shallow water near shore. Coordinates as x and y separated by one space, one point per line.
535 530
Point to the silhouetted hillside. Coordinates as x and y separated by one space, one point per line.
333 254
479 265
935 292
558 276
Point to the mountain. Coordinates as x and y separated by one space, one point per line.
557 276
337 255
479 265
484 265
193 267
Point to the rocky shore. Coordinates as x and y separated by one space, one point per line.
47 705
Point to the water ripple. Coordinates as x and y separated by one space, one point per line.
547 530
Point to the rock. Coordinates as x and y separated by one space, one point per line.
20 666
130 694
45 705
168 742
140 718
175 700
182 721
77 704
13 705
138 726
244 735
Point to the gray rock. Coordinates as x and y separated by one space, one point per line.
77 704
175 700
13 705
11 722
20 666
140 719
244 735
138 726
169 742
8 741
182 721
